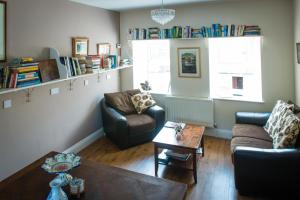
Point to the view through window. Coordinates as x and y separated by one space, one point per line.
235 68
151 62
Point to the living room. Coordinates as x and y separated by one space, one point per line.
82 110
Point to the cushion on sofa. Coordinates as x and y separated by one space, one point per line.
279 109
250 142
287 130
140 123
121 101
250 131
142 101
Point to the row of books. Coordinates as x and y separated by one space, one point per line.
88 64
22 72
73 67
93 63
216 30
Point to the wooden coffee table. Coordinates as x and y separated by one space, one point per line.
101 182
192 142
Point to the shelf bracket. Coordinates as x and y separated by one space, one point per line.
72 84
29 92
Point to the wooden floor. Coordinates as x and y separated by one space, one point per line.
215 170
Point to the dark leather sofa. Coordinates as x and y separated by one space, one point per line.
258 168
132 129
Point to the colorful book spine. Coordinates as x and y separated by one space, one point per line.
28 75
27 69
28 83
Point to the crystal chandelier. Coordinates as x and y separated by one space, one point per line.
162 15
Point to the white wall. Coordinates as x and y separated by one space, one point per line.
297 39
275 17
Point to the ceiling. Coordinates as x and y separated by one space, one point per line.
119 5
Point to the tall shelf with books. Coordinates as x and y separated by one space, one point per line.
188 32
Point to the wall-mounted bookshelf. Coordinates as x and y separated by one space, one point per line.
188 32
12 90
198 38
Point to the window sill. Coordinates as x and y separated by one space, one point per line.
237 99
159 93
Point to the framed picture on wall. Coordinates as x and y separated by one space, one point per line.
298 52
80 46
189 62
103 49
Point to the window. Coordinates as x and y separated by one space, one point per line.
151 62
235 68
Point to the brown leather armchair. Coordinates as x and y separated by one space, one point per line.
127 130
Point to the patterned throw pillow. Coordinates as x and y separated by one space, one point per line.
142 101
288 130
279 109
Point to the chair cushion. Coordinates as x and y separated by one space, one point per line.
277 112
250 142
121 101
142 101
139 124
250 131
287 130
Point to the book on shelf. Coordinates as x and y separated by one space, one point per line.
73 67
93 63
21 72
28 83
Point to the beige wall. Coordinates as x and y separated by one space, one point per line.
47 123
297 39
275 17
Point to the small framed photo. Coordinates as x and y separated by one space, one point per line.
189 62
103 49
80 46
298 52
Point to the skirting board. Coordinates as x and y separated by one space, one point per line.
85 142
219 133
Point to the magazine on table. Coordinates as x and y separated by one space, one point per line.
170 124
177 156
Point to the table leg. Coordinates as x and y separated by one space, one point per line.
156 159
195 166
202 146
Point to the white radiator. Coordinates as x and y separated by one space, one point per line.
190 110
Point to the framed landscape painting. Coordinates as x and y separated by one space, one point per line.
189 62
80 46
103 49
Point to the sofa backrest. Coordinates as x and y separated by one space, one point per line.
121 101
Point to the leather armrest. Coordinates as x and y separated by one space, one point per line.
255 118
113 121
158 114
257 169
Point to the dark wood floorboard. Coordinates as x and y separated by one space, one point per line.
215 170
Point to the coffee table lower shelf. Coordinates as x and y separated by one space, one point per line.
163 159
